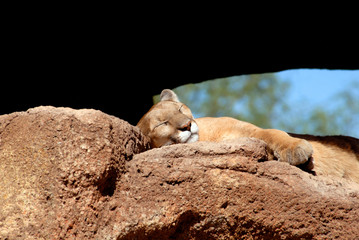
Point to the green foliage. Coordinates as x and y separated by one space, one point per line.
261 99
263 94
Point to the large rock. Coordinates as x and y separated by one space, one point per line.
58 167
227 191
76 174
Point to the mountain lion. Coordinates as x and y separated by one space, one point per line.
170 122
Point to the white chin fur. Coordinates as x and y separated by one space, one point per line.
189 136
193 138
184 136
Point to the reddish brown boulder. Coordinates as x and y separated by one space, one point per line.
227 191
77 174
58 166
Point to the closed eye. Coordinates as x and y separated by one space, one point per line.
162 123
180 109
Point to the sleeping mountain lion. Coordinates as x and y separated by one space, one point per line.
171 122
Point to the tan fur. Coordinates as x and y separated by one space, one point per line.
169 120
165 121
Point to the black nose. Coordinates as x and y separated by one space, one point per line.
186 127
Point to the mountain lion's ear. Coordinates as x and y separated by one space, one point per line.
169 95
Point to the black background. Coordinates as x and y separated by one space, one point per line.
116 64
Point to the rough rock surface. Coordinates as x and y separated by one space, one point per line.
76 174
227 191
57 167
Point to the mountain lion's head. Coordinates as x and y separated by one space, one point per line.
169 122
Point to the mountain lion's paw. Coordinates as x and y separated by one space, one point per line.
300 153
